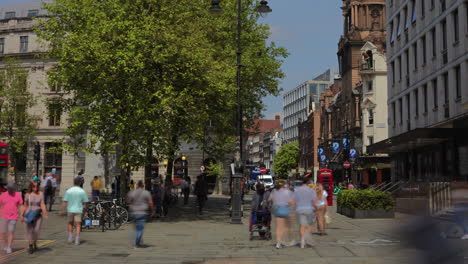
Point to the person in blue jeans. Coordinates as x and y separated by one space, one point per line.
141 203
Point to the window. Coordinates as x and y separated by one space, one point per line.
425 97
394 113
24 44
33 13
456 33
405 13
435 93
55 88
392 34
408 111
10 15
2 45
444 34
416 102
415 55
400 102
458 81
370 140
407 63
434 42
423 8
446 88
20 115
398 26
370 117
414 16
53 157
432 4
424 50
393 72
55 113
443 6
399 68
369 86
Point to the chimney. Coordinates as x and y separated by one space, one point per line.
277 117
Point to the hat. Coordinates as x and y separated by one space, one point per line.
11 186
35 178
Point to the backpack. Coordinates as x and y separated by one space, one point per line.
48 189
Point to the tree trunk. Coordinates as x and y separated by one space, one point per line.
149 159
170 157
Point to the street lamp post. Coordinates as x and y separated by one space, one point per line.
236 195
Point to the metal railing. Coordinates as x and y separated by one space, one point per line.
393 188
439 197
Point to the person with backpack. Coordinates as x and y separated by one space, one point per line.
185 186
80 178
49 185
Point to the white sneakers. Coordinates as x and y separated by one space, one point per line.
465 237
7 250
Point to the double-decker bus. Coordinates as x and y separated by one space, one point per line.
4 163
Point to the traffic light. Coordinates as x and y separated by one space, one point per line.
37 151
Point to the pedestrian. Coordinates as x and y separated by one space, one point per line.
131 185
201 191
80 177
260 204
350 186
185 186
282 201
10 202
304 197
49 186
74 201
96 186
460 204
34 210
157 197
167 193
140 203
321 208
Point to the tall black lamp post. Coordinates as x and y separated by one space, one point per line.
236 216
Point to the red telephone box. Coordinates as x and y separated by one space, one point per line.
325 177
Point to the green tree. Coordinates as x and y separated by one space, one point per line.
17 125
286 159
149 74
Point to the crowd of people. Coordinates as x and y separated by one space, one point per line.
308 204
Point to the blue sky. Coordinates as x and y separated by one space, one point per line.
309 29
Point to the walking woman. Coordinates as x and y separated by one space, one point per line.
34 200
282 203
321 208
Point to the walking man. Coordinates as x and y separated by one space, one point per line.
201 190
140 203
49 185
10 202
96 186
74 201
80 177
304 198
185 186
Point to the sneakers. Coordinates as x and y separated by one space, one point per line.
70 240
464 237
278 246
292 243
77 241
8 250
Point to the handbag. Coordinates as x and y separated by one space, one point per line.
32 215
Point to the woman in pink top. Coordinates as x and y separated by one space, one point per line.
10 202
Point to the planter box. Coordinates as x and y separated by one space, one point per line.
362 214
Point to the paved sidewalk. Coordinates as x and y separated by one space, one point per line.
187 238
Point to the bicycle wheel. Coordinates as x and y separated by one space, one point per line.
122 215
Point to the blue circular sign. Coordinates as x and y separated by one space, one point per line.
345 142
321 151
352 153
323 158
336 146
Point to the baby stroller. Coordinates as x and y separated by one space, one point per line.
260 222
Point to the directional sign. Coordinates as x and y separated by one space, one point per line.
336 146
323 158
352 153
321 151
345 142
202 168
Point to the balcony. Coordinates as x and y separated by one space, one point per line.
365 67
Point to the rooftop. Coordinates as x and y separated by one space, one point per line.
22 10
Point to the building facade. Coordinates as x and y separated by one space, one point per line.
297 103
427 55
261 142
309 133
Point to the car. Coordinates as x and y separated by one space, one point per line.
267 180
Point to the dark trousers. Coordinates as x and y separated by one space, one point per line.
201 199
166 204
94 195
186 193
49 200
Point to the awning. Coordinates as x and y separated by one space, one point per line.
415 139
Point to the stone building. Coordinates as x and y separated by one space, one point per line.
260 147
309 133
427 56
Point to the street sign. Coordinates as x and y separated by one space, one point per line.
321 151
202 168
323 158
345 143
336 146
262 170
352 153
346 165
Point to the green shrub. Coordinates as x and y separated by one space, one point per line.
365 200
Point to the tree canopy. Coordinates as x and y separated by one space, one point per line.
286 159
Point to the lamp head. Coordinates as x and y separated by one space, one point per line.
215 8
263 8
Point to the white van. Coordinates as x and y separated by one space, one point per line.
267 180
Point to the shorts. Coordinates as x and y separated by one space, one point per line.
74 217
7 225
306 218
